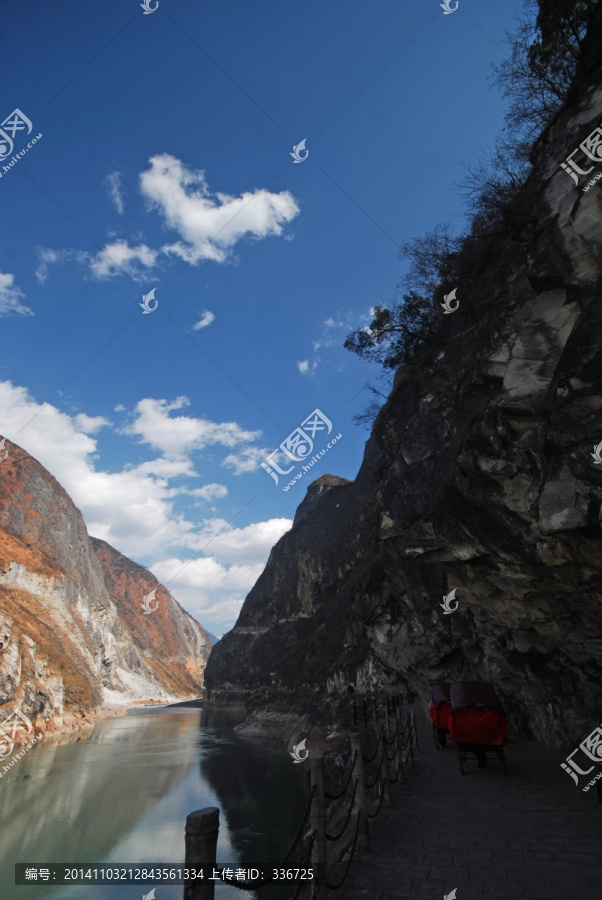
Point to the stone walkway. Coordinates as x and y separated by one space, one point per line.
529 835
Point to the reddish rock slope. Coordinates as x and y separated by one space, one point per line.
74 640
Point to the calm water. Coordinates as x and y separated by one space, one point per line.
122 793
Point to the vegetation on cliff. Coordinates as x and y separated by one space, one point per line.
545 51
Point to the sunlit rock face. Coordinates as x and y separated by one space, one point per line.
478 476
74 638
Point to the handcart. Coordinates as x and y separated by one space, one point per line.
477 724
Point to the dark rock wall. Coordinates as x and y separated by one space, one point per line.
478 476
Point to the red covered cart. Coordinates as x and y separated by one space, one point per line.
477 724
440 709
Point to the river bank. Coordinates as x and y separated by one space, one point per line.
82 723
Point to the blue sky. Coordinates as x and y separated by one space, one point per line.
164 163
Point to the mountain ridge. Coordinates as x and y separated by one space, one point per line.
75 643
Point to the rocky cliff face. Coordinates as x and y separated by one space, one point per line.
478 476
74 638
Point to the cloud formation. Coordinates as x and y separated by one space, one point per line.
209 224
333 334
118 258
177 435
213 587
113 185
134 509
10 297
206 319
115 258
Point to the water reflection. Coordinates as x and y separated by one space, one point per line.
243 771
121 793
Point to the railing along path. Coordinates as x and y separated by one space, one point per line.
333 825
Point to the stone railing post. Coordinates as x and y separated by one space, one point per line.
384 756
398 760
415 731
202 829
363 839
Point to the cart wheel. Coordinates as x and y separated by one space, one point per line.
443 739
436 738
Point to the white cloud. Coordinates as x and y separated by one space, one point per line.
46 256
213 588
168 468
248 459
248 545
115 258
118 258
327 339
207 318
308 367
113 185
209 224
210 491
175 435
90 424
10 297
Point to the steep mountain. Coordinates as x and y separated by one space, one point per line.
478 476
75 640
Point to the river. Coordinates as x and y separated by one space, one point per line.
121 793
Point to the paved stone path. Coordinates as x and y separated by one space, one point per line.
529 835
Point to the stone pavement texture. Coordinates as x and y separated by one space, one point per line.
529 835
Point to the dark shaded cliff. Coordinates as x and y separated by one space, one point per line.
74 638
478 476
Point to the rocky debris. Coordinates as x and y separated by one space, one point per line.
478 476
75 644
